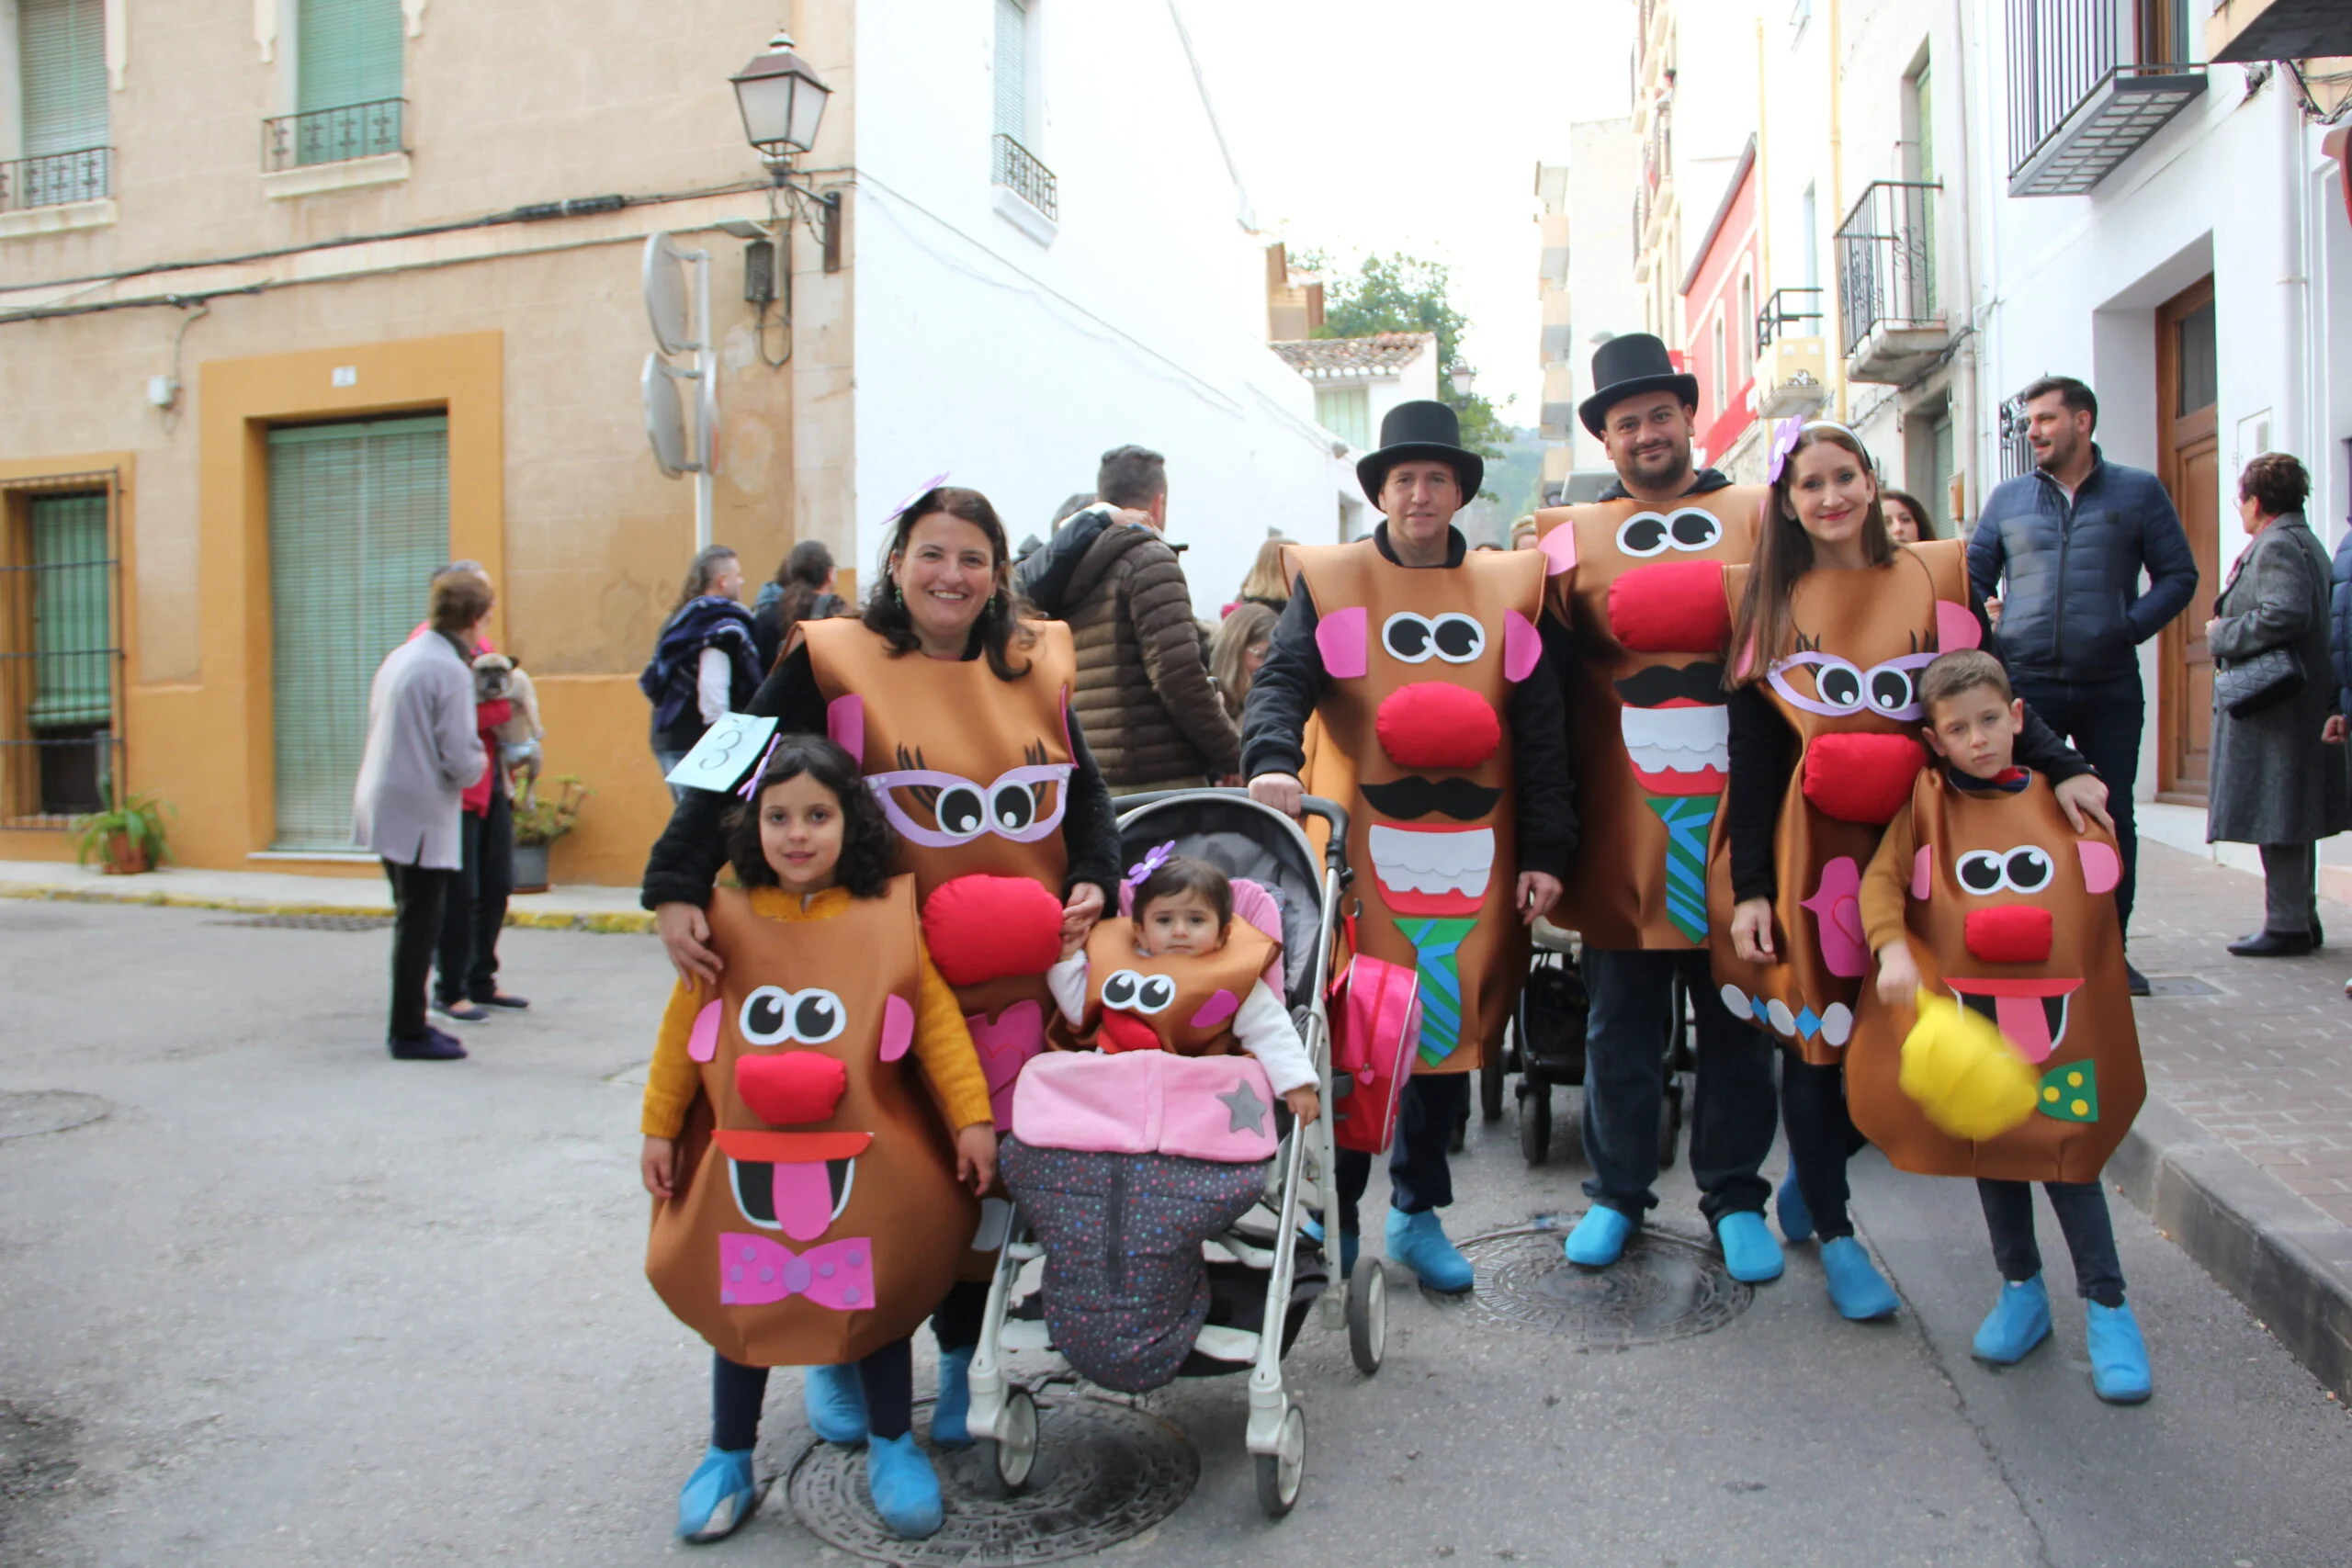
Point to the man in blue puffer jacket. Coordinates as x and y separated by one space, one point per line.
2061 548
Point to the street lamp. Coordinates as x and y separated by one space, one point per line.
1462 376
781 102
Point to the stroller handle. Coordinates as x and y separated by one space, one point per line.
1335 849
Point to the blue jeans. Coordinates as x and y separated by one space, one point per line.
2102 721
1732 1115
1419 1175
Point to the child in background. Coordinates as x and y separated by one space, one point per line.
1972 724
819 929
1182 928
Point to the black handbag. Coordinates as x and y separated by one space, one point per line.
2244 687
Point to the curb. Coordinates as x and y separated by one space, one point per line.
2289 1264
629 922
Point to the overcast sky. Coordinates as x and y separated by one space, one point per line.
1376 125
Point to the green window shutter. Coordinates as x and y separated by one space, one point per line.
1012 70
1346 413
348 52
358 522
72 613
61 53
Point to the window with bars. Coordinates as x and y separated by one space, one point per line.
62 103
347 84
358 522
59 653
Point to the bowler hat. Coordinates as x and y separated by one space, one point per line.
1627 367
1414 431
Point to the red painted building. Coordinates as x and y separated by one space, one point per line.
1719 298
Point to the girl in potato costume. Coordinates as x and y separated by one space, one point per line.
810 1209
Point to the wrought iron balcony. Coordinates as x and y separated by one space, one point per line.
1792 362
1886 282
56 178
333 136
1784 309
1018 170
2079 103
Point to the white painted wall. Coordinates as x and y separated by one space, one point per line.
1013 365
1604 163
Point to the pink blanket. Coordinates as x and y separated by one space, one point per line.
1218 1108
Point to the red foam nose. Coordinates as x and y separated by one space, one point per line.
1862 778
1675 606
1432 725
2011 933
791 1089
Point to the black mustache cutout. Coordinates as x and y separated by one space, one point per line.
1412 797
1661 684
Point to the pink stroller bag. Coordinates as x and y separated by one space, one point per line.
1376 1009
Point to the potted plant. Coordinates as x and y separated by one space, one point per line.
539 822
126 838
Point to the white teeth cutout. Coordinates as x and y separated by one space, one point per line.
1409 861
1681 740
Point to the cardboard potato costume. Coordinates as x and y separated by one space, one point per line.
2012 913
817 1217
1642 588
1410 737
1176 1002
1850 692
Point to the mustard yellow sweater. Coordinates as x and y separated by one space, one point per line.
943 1044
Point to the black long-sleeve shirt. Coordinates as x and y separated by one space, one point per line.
1764 753
1284 692
686 857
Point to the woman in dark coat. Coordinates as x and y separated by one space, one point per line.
2276 780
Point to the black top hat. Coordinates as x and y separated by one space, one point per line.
1421 430
1626 366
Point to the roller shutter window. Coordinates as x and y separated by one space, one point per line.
348 75
70 715
61 55
1012 71
358 522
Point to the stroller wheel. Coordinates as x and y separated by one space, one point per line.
1535 1117
1368 1315
1279 1474
1010 1459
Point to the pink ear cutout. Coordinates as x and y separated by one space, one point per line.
702 1044
1522 646
1559 548
845 722
1340 637
1923 872
1956 627
1217 1010
2102 868
898 1027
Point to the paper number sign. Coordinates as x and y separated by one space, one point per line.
726 751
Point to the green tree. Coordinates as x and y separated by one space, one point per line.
1397 293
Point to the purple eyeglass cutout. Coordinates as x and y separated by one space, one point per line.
1021 777
1909 713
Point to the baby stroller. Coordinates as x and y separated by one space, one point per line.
1267 1268
1546 1047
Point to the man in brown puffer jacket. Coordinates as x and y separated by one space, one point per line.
1153 717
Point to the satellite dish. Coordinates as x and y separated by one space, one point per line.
666 300
664 426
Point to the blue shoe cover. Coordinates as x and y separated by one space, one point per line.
1750 1255
1418 1241
1600 1237
1796 1220
836 1404
950 1414
2019 1322
2118 1356
1857 1289
905 1490
718 1496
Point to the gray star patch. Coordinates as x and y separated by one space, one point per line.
1248 1110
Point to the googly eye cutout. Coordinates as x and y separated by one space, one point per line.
1119 990
1409 638
2028 868
1459 639
766 1017
1892 692
1838 685
1980 871
818 1016
1154 994
1688 528
1011 807
960 811
1645 533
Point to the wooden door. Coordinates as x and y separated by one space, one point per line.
2188 442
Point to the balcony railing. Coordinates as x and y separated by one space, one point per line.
2080 102
2017 452
1784 309
1886 261
56 178
333 136
1018 170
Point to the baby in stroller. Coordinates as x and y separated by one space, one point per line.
1127 1156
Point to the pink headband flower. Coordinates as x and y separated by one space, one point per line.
1784 441
921 491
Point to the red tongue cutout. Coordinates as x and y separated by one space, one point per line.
2025 1022
804 1197
1124 1031
1675 606
1861 778
791 1089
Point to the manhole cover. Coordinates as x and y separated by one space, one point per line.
46 1110
2181 986
1665 1287
313 922
1106 1474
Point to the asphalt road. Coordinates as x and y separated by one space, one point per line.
288 1302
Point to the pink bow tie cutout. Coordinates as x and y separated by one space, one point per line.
755 1271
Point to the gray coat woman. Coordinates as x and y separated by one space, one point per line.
2276 783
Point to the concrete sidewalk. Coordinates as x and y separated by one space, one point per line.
286 893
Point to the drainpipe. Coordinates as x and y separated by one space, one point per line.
1970 470
2287 434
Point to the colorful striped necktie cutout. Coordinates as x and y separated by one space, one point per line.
1687 818
1436 944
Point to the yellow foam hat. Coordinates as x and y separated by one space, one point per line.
1968 1079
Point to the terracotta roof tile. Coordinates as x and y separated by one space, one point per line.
1334 358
